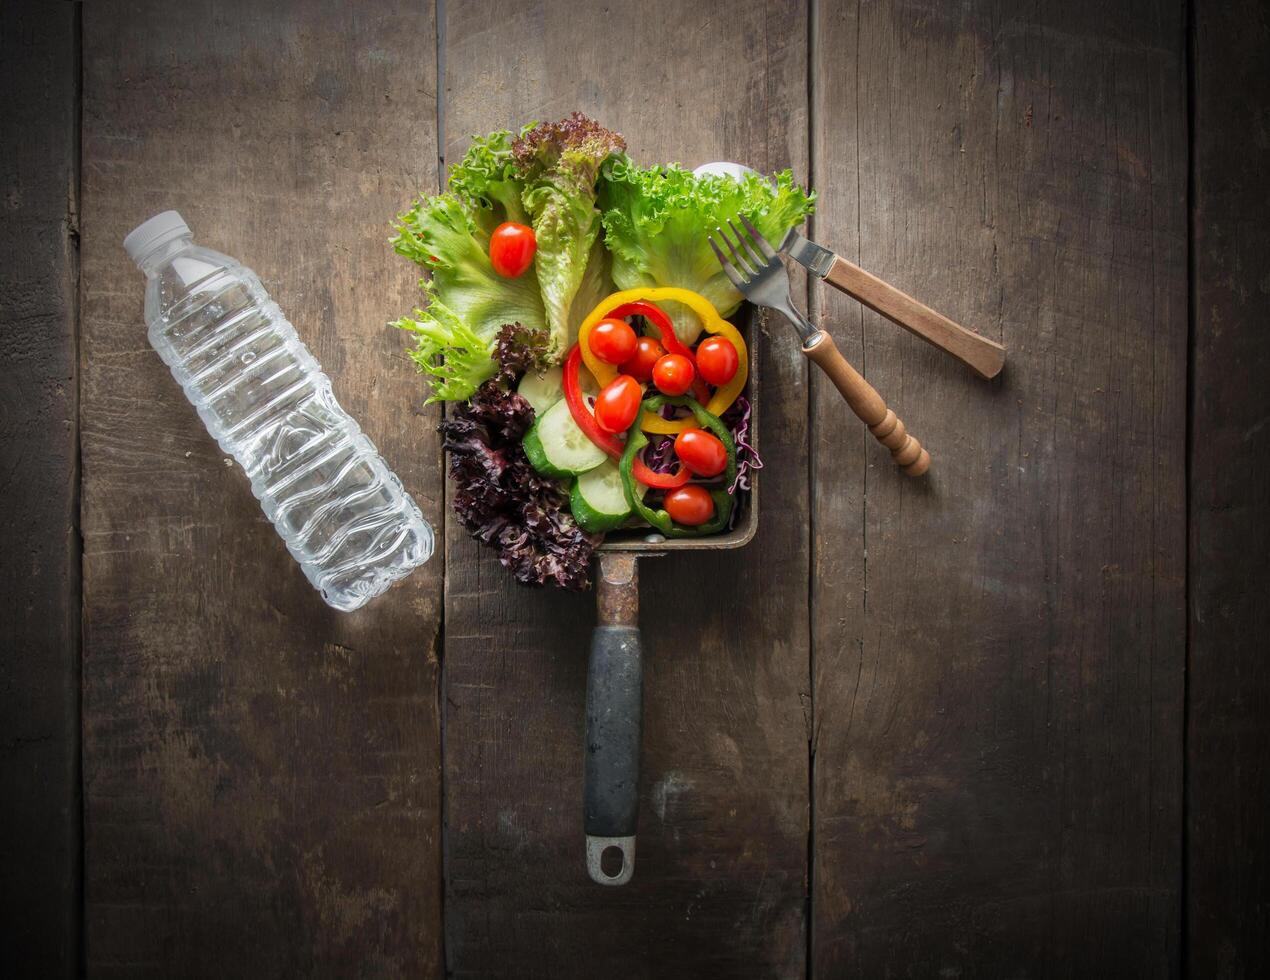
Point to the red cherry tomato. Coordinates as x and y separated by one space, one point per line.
512 248
701 452
612 341
690 505
640 364
618 403
673 374
717 360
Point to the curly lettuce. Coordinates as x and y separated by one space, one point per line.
597 283
453 358
467 302
499 498
546 177
657 219
487 181
559 164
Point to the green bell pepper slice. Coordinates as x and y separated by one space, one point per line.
636 440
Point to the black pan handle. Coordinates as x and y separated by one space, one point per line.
614 720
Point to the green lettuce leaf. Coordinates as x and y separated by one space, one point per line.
656 220
451 241
455 360
486 181
559 164
450 238
597 283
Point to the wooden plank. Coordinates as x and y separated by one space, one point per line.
39 440
1228 787
998 652
719 879
261 772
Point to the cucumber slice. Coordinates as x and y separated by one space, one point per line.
598 500
542 390
557 447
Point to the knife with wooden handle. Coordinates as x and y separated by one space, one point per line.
985 357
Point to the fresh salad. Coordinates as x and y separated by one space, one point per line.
575 323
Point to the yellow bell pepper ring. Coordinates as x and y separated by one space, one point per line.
605 373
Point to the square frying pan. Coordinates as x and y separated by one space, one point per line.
615 669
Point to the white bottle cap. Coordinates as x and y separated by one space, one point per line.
167 226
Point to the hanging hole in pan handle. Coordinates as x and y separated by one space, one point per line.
610 860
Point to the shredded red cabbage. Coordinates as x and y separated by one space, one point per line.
661 458
737 419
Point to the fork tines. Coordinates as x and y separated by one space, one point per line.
751 254
728 268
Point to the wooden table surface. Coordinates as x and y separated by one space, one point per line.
1005 721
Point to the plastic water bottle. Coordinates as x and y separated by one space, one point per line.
341 511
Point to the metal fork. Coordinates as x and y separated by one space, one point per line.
756 270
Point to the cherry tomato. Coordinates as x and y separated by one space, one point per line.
640 364
512 248
612 341
690 505
701 452
717 360
618 403
673 374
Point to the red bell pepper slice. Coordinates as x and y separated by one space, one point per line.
577 408
657 316
659 320
662 481
606 441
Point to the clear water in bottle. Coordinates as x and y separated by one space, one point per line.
341 511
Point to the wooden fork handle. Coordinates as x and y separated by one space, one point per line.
984 356
868 405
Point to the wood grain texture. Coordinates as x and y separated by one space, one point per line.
261 772
1228 783
719 877
998 650
39 478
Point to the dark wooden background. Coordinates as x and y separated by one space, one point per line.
1008 721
